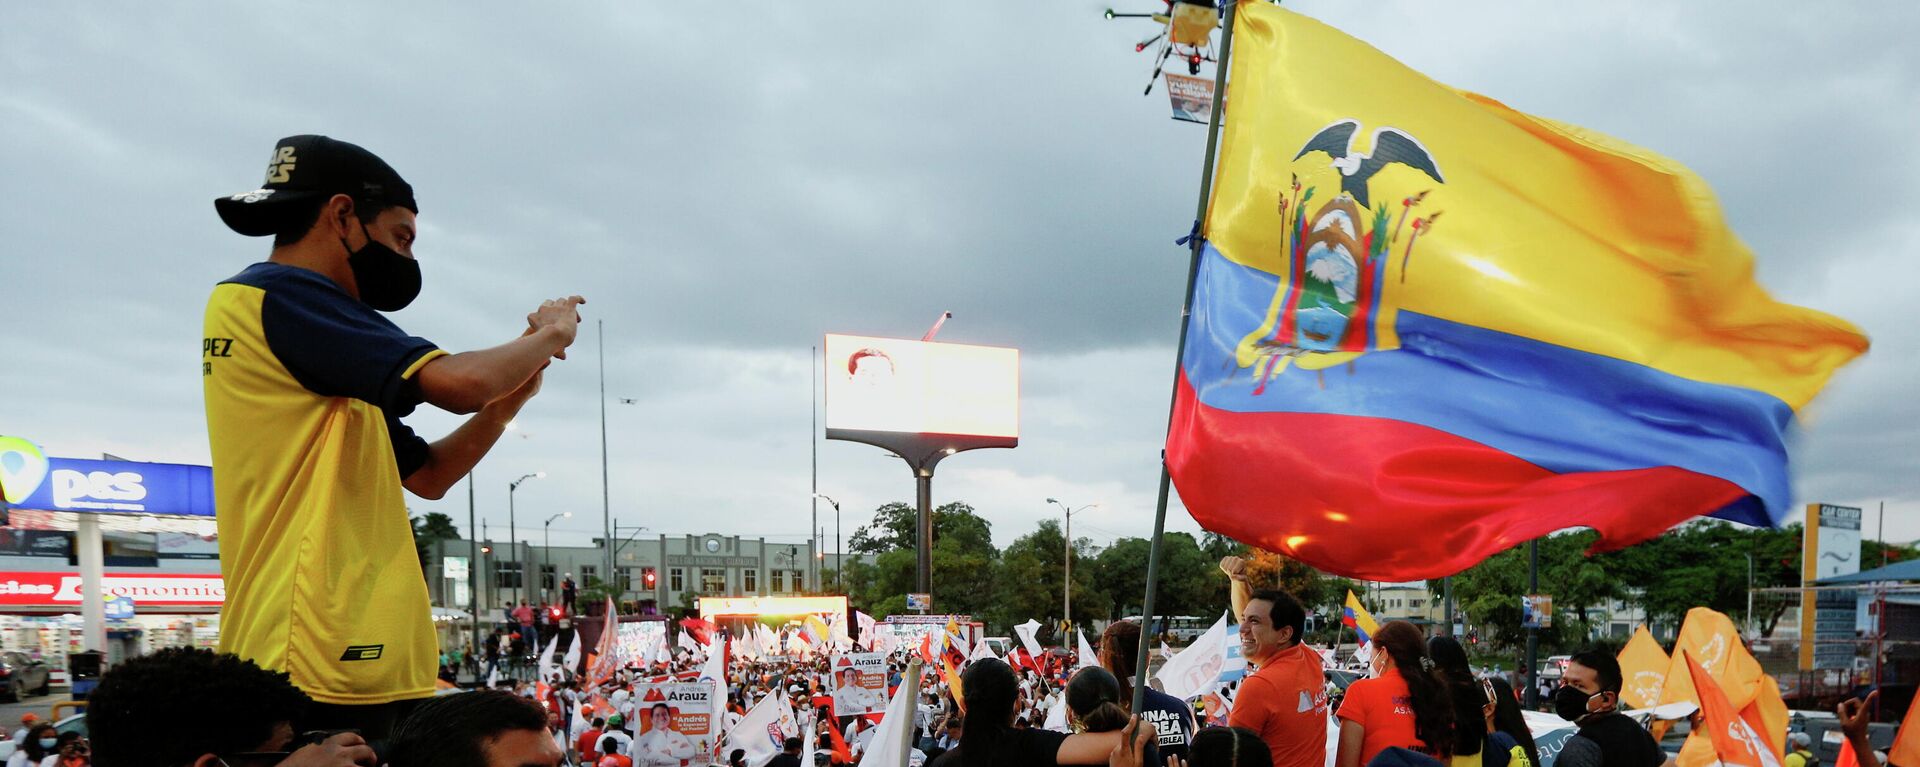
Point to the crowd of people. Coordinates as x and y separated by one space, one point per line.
1421 704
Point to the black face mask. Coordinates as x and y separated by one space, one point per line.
388 281
1570 703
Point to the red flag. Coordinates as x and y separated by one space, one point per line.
841 754
926 647
702 630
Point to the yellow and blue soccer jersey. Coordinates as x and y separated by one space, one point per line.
305 387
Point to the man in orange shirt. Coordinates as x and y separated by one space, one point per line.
1285 700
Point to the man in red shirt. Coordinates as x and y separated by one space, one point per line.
588 744
1285 700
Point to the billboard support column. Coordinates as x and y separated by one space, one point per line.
93 610
923 486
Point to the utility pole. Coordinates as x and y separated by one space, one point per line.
513 534
813 444
1533 631
1066 589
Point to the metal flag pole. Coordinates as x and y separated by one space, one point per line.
1186 309
473 567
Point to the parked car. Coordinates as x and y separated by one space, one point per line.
1555 666
22 675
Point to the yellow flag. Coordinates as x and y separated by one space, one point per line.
1643 669
1709 636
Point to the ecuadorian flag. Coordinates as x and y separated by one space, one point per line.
1357 618
1427 327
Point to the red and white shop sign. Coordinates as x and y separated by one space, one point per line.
63 589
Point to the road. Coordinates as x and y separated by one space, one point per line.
39 705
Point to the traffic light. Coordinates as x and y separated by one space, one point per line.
649 576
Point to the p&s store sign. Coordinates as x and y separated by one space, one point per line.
32 480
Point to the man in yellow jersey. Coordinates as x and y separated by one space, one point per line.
306 383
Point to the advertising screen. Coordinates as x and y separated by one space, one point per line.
919 387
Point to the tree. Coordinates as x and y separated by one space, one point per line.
1031 576
962 559
435 526
1190 580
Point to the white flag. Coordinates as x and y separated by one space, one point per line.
866 624
573 654
1057 714
546 669
1196 670
1165 650
1087 656
685 642
1026 631
982 651
889 746
764 730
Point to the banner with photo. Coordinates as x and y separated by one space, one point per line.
859 683
1192 97
676 727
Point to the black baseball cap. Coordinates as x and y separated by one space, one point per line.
306 168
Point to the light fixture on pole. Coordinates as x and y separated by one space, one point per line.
1066 589
839 555
546 550
513 536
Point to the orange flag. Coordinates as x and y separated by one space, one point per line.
1846 757
1643 669
1767 715
1736 742
1906 743
1709 638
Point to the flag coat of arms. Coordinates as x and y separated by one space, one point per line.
1427 327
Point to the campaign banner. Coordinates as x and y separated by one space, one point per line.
1192 97
676 724
43 589
859 683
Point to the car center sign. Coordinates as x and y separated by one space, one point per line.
30 479
58 589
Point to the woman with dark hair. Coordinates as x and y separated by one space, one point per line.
1229 747
1510 735
1469 718
36 747
1093 700
992 696
1405 705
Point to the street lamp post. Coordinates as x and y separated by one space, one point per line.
1066 589
546 550
839 556
513 536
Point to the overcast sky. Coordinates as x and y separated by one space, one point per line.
726 182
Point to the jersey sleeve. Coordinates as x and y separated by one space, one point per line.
409 450
338 347
1354 706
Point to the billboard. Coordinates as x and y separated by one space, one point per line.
29 479
713 607
62 589
919 387
1831 548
